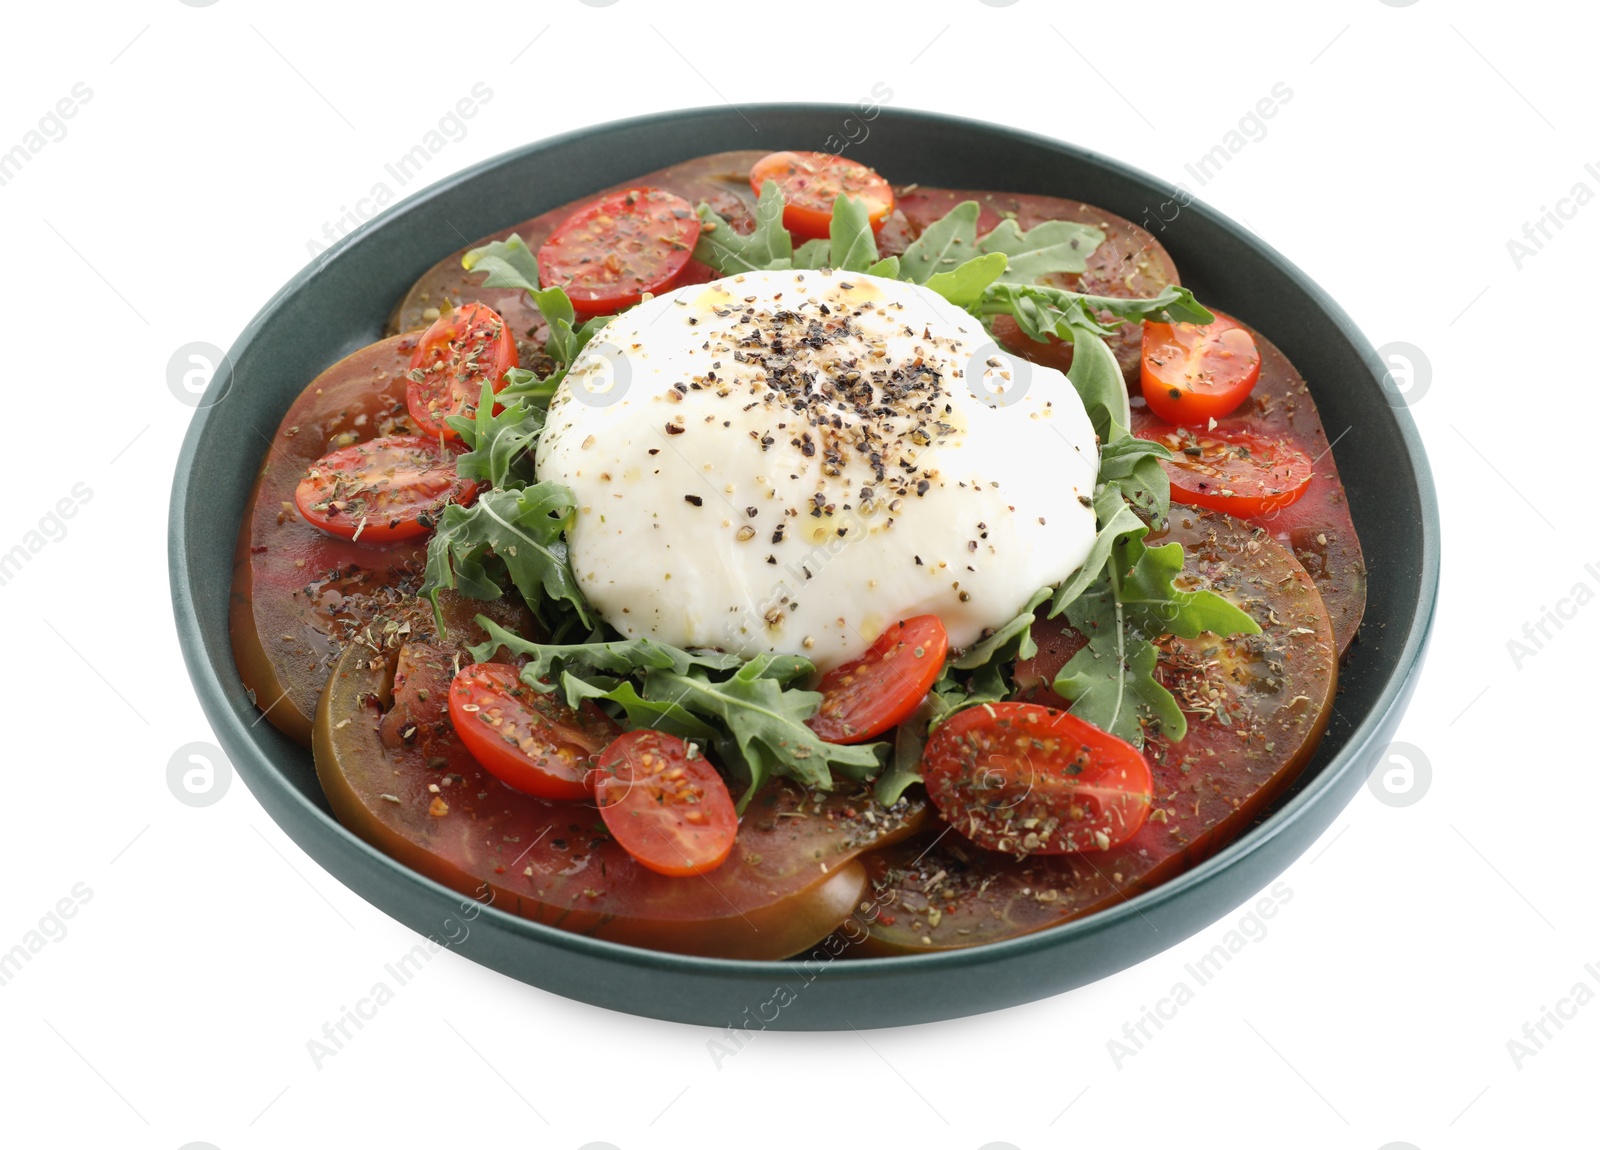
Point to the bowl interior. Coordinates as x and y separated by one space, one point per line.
341 301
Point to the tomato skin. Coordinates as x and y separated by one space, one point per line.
393 487
995 769
865 697
1192 373
607 254
528 740
1239 472
665 804
466 347
811 181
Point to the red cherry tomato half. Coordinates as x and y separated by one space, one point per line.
527 739
865 697
608 254
1026 779
1234 471
465 347
665 804
811 181
1191 373
394 487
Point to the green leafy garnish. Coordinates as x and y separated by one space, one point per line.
513 533
753 711
500 447
767 248
510 264
1119 600
1040 310
1051 247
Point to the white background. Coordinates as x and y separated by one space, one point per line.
220 139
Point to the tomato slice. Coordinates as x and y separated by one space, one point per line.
607 254
1026 779
1192 373
465 347
865 697
394 487
811 181
665 804
1238 472
527 739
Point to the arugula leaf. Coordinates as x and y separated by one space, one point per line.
905 761
501 446
1041 311
888 267
516 531
510 264
851 245
813 255
943 244
765 723
1121 597
1133 467
1097 377
1111 681
768 247
1117 523
1018 629
640 712
548 660
1156 607
964 285
1053 246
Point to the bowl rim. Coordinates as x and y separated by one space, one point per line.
260 771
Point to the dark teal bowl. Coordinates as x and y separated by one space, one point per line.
340 303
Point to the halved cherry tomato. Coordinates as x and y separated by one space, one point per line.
665 804
527 739
607 254
811 181
1191 373
464 347
865 697
385 489
1234 471
1026 779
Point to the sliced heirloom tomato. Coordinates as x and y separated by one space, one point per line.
382 490
865 697
465 348
1236 472
525 738
791 878
665 804
1317 527
300 594
1026 779
1256 705
1191 373
607 254
811 181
